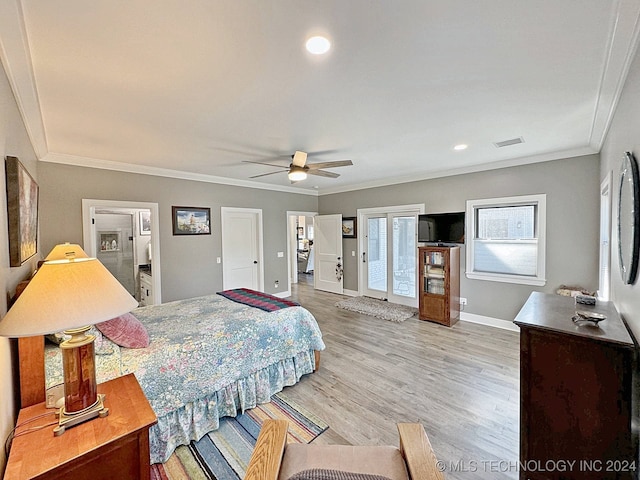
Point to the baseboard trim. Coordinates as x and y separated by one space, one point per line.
489 321
282 294
350 293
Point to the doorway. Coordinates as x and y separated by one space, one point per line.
116 247
300 249
124 237
388 269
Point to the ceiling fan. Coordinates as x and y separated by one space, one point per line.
299 168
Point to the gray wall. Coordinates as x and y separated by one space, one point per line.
14 141
572 188
188 263
623 135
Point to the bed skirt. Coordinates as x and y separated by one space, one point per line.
192 421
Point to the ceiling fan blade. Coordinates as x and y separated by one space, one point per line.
265 163
315 153
265 174
299 159
337 163
323 173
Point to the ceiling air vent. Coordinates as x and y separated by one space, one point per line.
506 143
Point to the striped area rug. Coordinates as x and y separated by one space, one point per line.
224 453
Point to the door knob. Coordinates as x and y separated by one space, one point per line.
255 261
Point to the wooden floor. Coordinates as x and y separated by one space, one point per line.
461 383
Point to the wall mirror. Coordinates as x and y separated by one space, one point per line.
628 219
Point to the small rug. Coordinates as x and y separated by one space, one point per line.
224 453
378 308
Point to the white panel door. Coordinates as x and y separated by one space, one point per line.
327 245
241 249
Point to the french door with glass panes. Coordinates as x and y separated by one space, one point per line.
390 257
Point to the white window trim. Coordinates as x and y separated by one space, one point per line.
541 229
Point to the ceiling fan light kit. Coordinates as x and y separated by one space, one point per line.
297 174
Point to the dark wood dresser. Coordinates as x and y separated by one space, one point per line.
578 393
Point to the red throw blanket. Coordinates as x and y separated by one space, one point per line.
260 300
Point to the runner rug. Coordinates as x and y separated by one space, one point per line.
224 453
378 308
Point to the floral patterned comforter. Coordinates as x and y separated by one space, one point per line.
209 357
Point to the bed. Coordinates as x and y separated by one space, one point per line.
219 358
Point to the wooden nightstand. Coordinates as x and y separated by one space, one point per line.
116 446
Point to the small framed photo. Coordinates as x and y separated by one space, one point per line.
191 221
145 222
349 227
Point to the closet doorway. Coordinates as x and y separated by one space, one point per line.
124 237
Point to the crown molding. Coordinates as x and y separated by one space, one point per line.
621 49
513 162
165 172
16 59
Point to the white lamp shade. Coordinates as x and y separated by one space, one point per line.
66 294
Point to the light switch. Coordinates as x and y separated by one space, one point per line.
353 253
218 259
280 254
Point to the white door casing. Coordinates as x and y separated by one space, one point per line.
242 254
605 243
89 235
327 244
395 275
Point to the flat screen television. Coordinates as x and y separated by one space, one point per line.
441 227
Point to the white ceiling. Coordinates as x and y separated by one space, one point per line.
193 89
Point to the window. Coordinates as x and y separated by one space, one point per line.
507 239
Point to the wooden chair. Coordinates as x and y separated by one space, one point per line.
273 459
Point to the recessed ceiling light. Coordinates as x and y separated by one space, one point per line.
461 146
318 45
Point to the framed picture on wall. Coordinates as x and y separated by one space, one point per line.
348 227
191 221
22 212
145 222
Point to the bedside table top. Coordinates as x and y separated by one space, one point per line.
39 451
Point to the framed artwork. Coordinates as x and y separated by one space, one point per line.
145 222
191 221
22 212
348 227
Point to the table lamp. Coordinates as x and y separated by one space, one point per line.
66 251
70 292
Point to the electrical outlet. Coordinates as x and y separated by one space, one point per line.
276 284
463 301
